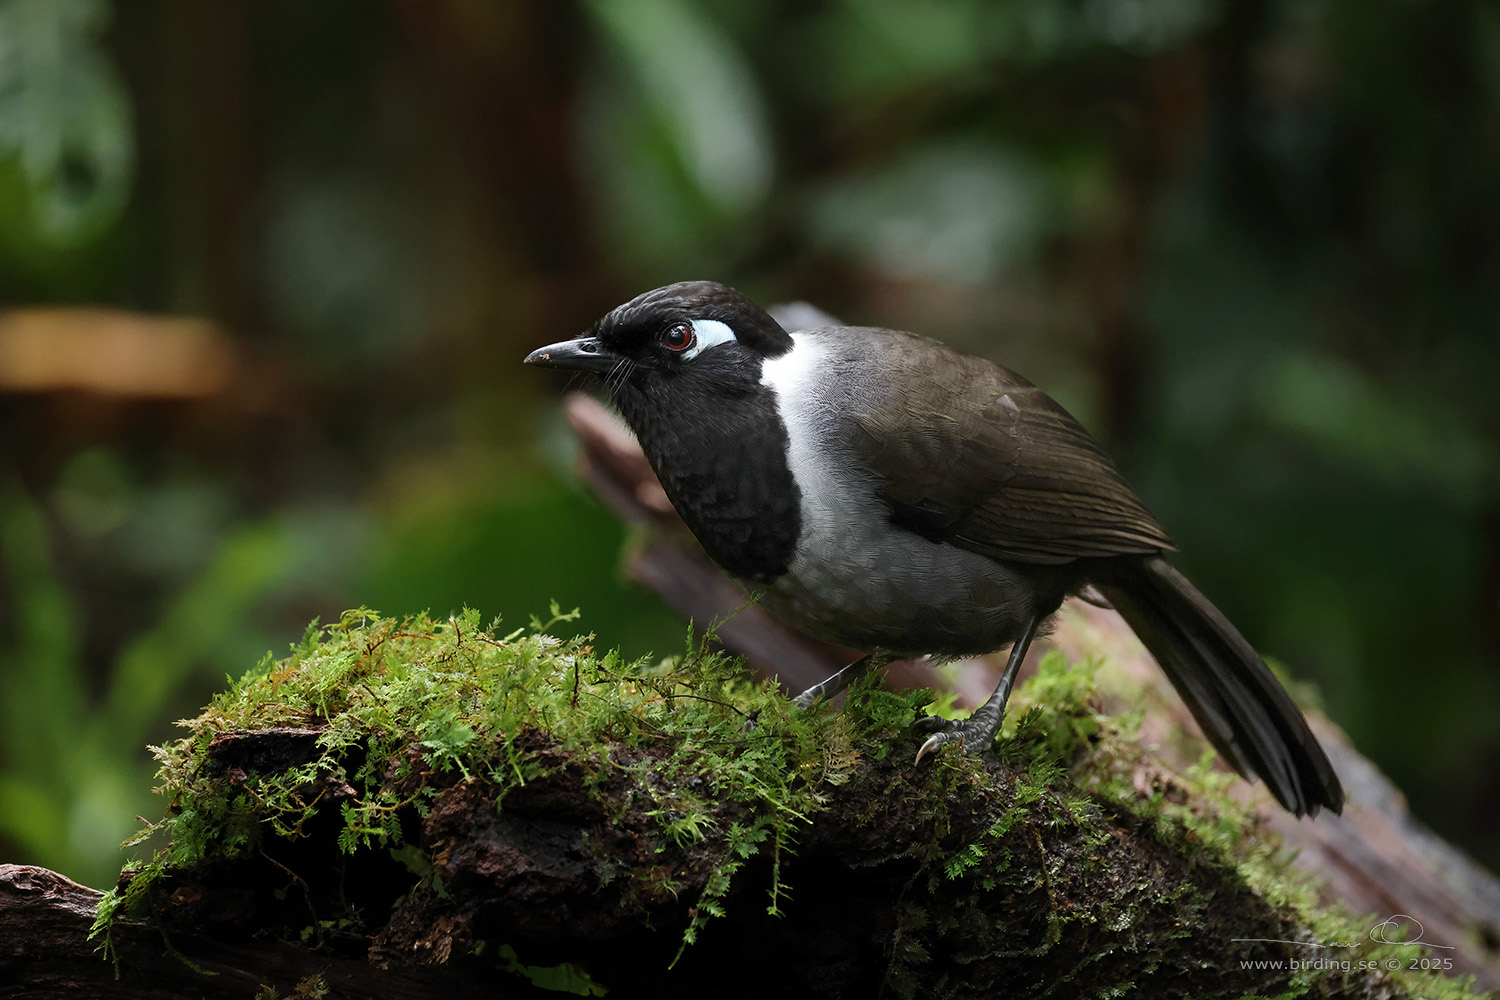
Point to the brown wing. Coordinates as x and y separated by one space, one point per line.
992 464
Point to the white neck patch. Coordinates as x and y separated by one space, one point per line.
791 374
707 333
836 499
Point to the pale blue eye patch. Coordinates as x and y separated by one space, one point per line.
707 333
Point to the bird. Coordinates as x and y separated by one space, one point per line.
885 492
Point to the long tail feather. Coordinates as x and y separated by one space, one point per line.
1243 710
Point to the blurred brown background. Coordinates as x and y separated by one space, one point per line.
268 270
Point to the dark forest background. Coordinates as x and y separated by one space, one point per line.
269 268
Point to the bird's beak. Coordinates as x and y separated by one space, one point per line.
581 354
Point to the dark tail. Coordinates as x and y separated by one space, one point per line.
1243 710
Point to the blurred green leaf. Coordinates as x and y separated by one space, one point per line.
695 75
44 686
1401 434
959 212
68 797
517 551
884 46
33 814
253 561
65 122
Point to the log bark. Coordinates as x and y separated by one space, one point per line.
1087 905
1090 905
45 952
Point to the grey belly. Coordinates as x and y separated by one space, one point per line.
903 594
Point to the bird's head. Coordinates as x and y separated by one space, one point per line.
692 334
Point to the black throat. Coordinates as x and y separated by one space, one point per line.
718 444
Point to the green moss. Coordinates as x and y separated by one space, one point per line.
395 709
391 713
1076 782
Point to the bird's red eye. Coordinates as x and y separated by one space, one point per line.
678 338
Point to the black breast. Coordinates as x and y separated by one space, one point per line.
719 447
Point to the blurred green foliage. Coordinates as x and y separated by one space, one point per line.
1255 246
66 151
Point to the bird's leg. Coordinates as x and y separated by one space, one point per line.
832 685
979 729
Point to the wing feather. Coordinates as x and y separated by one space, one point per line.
993 465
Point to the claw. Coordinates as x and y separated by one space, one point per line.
936 740
981 727
932 724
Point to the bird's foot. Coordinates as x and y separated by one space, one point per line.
974 734
977 732
831 686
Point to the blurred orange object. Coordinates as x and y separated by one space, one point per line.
113 352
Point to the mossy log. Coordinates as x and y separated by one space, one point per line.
424 808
